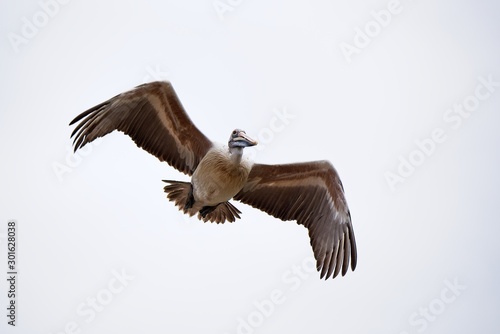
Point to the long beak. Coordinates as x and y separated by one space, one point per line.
244 140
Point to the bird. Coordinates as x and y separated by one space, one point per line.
310 193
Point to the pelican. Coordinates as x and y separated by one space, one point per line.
309 193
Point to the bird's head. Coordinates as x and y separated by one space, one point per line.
239 138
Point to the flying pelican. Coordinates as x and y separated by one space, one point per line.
310 193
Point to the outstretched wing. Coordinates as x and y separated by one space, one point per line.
310 193
152 115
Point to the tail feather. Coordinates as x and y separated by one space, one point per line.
178 192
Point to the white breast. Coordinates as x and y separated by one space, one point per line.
218 178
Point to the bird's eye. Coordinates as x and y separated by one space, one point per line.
234 133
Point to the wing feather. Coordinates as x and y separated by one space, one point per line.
311 194
152 115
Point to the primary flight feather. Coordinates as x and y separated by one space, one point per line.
310 193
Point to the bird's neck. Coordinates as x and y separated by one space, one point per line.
236 153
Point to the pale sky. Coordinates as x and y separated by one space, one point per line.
402 97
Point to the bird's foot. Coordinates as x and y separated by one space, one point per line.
206 210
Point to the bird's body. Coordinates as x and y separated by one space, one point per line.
219 176
310 193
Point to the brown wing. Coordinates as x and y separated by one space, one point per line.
310 193
153 116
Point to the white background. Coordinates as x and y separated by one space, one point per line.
83 218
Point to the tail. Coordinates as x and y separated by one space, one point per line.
181 193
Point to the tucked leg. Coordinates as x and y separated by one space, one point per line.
206 210
189 199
